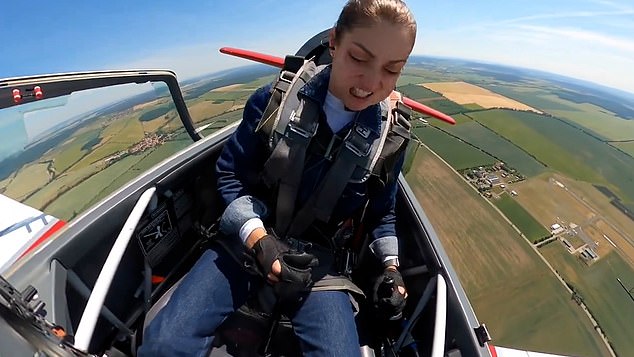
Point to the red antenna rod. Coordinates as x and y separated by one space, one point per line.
279 62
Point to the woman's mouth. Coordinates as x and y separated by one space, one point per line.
359 93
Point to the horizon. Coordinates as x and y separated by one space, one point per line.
589 40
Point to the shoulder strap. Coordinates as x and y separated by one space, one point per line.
358 154
295 123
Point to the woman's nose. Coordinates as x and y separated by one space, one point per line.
371 80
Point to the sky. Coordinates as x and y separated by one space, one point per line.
585 39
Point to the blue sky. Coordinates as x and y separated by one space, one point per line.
586 39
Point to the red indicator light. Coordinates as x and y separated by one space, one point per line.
38 92
17 97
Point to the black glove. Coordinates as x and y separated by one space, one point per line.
388 301
296 275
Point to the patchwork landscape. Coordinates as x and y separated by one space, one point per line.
531 193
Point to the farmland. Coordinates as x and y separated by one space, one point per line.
532 229
466 93
627 147
597 285
510 288
564 148
458 153
596 119
489 141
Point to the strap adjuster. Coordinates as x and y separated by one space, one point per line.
357 141
293 126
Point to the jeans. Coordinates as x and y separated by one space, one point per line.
216 286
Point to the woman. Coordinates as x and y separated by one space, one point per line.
369 45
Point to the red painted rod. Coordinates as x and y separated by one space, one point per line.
279 62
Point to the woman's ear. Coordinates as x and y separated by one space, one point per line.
331 40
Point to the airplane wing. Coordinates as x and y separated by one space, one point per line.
22 229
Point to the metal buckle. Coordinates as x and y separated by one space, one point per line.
362 130
283 75
351 144
294 127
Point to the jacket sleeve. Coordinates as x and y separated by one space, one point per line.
381 209
244 153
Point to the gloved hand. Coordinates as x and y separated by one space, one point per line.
389 294
296 273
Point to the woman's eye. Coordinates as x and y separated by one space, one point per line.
356 59
390 71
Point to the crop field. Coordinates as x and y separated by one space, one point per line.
546 201
226 96
460 119
578 203
597 285
625 147
417 92
203 110
76 198
28 179
46 194
70 153
466 93
536 97
564 148
596 119
459 154
229 88
445 105
521 218
497 146
509 287
257 83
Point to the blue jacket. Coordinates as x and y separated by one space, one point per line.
245 153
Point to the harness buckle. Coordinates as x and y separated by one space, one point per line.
360 148
293 125
286 76
357 141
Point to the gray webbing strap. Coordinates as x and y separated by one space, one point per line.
355 152
295 124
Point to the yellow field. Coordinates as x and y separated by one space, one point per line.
147 104
30 178
466 93
581 204
203 110
228 88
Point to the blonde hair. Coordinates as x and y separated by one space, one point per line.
368 12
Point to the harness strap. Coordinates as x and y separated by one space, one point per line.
358 148
295 124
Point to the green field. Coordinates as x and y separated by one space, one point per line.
625 147
418 92
459 118
71 152
509 287
456 152
446 106
497 146
521 218
226 96
606 299
564 148
594 118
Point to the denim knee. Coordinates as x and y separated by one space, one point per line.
239 212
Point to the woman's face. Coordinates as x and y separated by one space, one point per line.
366 63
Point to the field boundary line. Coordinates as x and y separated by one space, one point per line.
581 304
